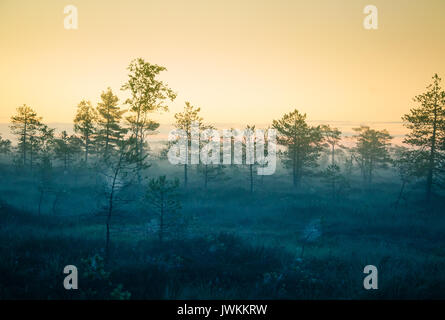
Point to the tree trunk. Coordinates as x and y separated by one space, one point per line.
400 195
31 154
86 149
205 176
297 170
110 209
294 168
24 142
107 137
161 219
107 245
251 177
429 180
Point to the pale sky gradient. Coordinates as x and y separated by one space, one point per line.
241 61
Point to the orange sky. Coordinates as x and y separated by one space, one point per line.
241 61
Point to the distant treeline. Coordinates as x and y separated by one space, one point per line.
113 135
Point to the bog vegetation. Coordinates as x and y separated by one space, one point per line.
139 227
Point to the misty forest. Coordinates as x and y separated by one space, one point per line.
102 197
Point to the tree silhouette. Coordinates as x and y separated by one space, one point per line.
406 165
162 198
209 165
303 143
371 150
46 143
66 147
184 121
118 175
332 137
148 94
427 124
337 182
25 124
44 152
210 172
5 146
85 125
109 129
249 143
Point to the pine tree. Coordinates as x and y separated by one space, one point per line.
405 163
46 143
5 146
249 143
43 150
25 125
209 165
303 143
162 198
332 137
66 147
85 125
337 182
427 124
119 175
109 129
184 121
371 151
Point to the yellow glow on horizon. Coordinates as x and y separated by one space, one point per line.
240 61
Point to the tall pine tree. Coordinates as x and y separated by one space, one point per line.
25 125
109 129
427 124
85 125
303 143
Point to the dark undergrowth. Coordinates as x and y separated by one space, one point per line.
35 249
